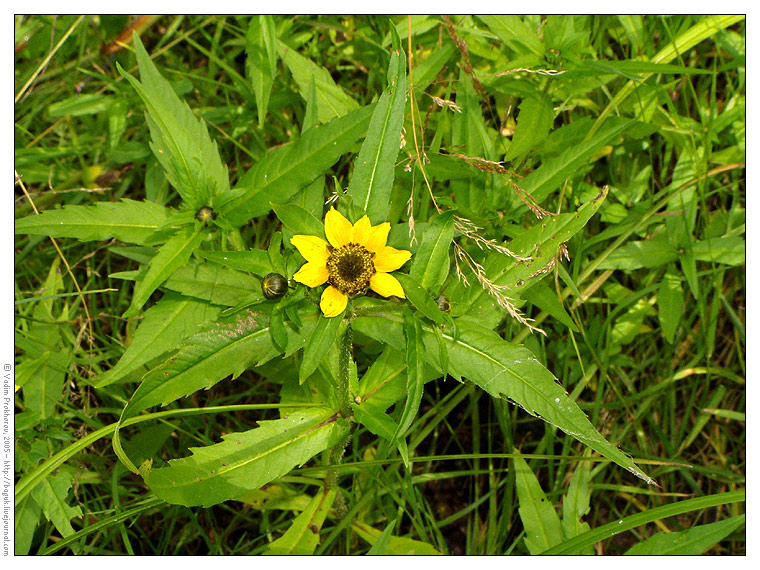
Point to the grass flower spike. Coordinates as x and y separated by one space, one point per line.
354 259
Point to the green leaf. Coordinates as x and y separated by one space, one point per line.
170 257
299 220
422 299
396 545
415 368
83 104
26 517
261 62
332 101
372 180
690 542
430 265
181 141
288 168
726 250
639 254
302 538
516 33
129 221
247 460
51 494
534 122
540 521
650 515
254 261
206 358
576 504
164 326
546 299
319 343
503 370
670 304
554 171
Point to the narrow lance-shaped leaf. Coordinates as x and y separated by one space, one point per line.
302 538
503 370
180 140
129 221
248 460
534 122
690 542
287 169
430 266
261 63
318 345
372 180
542 527
170 257
415 367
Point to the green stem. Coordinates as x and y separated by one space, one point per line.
344 362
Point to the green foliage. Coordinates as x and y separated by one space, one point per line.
573 185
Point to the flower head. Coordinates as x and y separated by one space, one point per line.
354 259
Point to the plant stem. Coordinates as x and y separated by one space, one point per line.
344 361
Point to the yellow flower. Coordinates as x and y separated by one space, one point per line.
355 259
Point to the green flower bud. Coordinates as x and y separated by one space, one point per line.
274 286
443 303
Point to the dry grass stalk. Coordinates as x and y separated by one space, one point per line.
445 103
469 229
463 49
551 72
497 291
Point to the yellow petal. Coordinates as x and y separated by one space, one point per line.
386 285
312 248
312 274
377 237
390 259
362 230
338 229
333 302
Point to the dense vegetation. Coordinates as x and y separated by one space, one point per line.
571 190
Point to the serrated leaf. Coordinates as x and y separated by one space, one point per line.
171 256
302 538
430 265
164 326
248 460
540 521
372 180
534 122
690 542
503 370
51 494
181 141
288 168
129 221
332 101
224 349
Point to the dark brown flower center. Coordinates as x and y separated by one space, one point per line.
350 268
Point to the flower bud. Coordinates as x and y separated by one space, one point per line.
274 286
